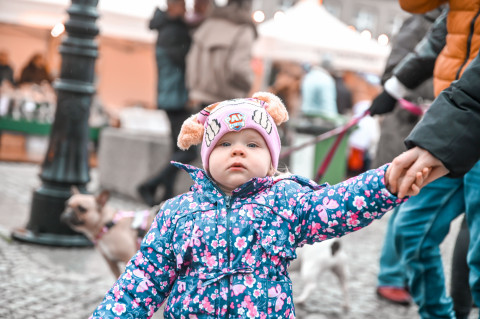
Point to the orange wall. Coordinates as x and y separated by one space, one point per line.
125 69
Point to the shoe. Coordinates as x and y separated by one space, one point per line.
395 295
146 193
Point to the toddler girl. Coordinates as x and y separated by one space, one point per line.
222 250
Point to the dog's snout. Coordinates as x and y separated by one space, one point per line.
70 218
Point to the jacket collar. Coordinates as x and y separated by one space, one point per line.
204 184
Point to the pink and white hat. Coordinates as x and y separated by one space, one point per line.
263 112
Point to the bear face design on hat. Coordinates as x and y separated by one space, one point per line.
263 112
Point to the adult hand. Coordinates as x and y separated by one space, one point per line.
402 173
383 103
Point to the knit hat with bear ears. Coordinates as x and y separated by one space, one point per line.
263 112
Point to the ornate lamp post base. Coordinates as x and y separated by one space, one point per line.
66 161
44 226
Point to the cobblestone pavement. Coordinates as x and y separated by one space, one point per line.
48 282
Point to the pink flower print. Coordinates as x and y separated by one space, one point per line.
241 242
207 305
322 213
221 229
332 223
249 281
249 258
367 215
150 238
215 243
330 203
236 231
331 192
315 228
181 286
119 309
276 292
359 202
367 193
353 221
135 303
252 310
211 260
223 243
292 202
257 293
207 229
117 292
291 239
238 289
192 205
144 283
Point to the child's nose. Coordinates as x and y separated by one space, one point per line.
238 150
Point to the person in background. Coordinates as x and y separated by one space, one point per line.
201 10
363 140
219 64
222 250
394 128
319 95
423 223
173 43
35 71
6 71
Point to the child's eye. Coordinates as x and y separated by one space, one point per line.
252 145
225 144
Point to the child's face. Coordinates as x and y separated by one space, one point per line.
239 157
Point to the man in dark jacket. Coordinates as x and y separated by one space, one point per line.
424 221
172 46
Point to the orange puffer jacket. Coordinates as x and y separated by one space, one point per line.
463 39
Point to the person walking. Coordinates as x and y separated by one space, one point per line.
423 223
219 62
173 44
395 125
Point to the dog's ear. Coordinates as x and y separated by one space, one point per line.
102 198
74 190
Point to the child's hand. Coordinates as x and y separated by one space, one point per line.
417 184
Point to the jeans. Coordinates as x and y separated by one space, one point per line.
421 226
391 271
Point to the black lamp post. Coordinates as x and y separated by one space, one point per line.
66 161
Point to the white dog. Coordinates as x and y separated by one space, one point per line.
319 258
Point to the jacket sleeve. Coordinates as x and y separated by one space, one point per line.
334 211
418 66
148 277
450 130
155 22
420 6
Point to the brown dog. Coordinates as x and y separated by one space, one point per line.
116 234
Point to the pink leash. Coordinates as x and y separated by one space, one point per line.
339 131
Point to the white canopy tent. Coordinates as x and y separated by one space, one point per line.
307 32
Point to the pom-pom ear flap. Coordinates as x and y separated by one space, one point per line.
275 108
192 129
191 133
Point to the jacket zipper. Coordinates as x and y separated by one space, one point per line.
228 204
469 44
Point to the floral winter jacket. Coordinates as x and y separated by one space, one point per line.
218 256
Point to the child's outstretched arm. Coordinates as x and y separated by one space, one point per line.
148 277
336 210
